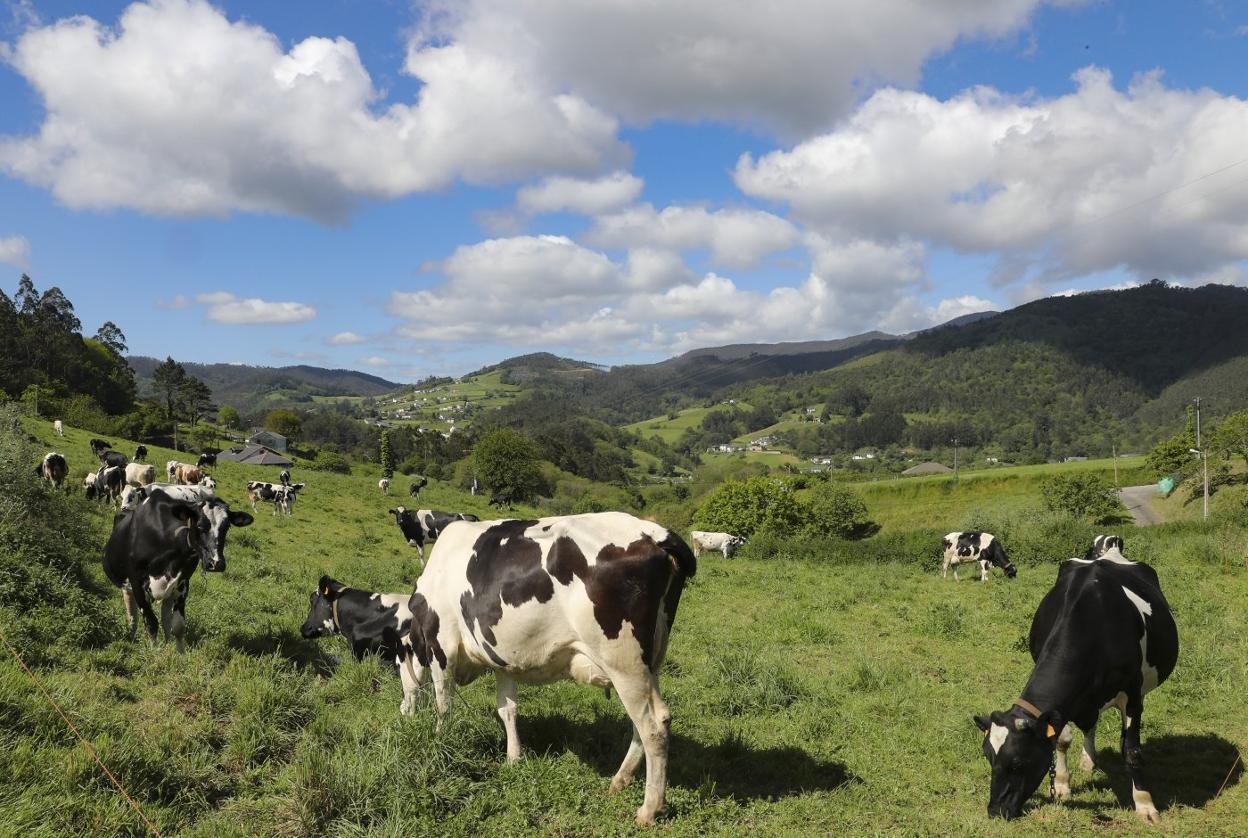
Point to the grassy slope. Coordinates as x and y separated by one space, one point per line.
670 430
807 699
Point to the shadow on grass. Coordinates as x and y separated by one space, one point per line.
729 768
304 654
1183 770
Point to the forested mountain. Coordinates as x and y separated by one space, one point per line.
248 388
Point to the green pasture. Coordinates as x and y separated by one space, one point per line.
670 430
829 694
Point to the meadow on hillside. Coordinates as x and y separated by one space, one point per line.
821 690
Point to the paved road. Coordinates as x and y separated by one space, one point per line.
1136 500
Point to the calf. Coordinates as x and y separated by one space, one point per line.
414 489
981 547
114 459
206 459
586 597
187 475
1102 637
384 485
99 446
53 469
138 474
502 499
373 624
425 525
721 541
140 453
1102 544
153 550
58 427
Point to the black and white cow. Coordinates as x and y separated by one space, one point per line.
260 492
424 525
284 477
586 597
1102 544
372 623
154 549
53 469
414 488
140 453
132 496
980 547
501 499
287 494
114 459
99 446
207 459
106 483
1102 637
384 485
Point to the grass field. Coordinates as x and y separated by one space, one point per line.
670 430
809 697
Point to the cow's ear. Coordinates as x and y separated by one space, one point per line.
393 512
983 723
241 519
329 588
1049 725
185 512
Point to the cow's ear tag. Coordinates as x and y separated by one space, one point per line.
326 591
1049 731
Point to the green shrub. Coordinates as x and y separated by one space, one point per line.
833 510
751 506
331 461
1083 495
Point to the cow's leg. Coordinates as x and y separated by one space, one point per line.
411 673
145 606
652 720
1061 772
175 620
1087 760
507 712
944 570
955 571
632 759
443 690
983 571
132 610
1133 756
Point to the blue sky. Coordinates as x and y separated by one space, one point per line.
417 188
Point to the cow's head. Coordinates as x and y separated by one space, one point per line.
995 554
407 524
321 621
1019 747
1102 544
209 522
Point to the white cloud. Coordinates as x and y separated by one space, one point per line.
736 238
224 307
375 361
1055 188
910 314
15 251
587 197
176 303
179 111
345 339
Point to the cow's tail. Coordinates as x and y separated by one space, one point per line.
684 566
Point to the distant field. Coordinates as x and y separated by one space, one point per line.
481 392
775 459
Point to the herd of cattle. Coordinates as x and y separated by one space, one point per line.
593 598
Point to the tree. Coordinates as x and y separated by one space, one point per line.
1081 495
507 460
1172 456
834 511
195 398
386 456
1231 437
111 336
285 422
168 379
229 417
849 399
750 506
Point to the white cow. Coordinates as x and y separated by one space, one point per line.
59 427
586 597
138 474
384 485
132 496
722 542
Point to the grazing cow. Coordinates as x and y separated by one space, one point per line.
284 477
414 488
106 483
138 474
1102 544
207 459
99 446
187 475
286 496
132 496
372 623
586 597
140 453
1101 638
281 495
425 525
502 499
981 547
114 459
58 427
153 550
723 542
384 485
53 469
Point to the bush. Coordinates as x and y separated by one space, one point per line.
748 507
1082 495
836 511
505 459
331 461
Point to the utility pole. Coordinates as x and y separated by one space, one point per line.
1204 456
955 459
1114 449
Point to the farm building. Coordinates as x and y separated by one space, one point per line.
255 455
926 468
268 439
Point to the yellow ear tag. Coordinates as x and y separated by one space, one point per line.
1049 731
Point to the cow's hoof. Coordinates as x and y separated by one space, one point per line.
1061 790
618 783
1086 763
1149 814
645 817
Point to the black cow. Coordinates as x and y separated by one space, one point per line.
414 488
106 483
982 548
99 446
1101 638
113 459
502 499
372 624
425 525
53 469
153 550
207 459
140 454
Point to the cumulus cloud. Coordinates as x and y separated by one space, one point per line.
345 339
1097 179
911 315
736 238
224 307
15 251
587 197
180 111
